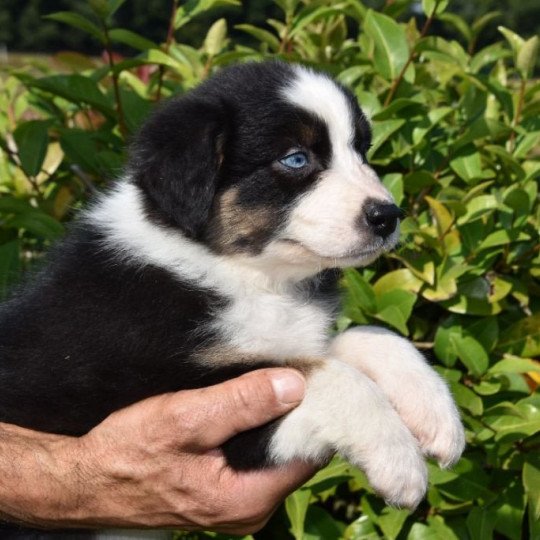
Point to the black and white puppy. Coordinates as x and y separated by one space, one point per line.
216 254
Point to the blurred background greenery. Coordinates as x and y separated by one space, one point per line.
22 27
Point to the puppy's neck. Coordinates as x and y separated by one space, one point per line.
136 239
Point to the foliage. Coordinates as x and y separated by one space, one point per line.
456 140
22 27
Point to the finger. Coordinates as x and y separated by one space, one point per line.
256 494
217 413
277 482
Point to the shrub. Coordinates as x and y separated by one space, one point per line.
456 140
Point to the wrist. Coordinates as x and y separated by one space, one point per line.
39 485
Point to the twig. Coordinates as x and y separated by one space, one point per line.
116 87
412 56
168 42
85 179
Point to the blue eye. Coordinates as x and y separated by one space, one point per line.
295 161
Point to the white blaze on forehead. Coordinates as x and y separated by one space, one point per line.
321 96
325 219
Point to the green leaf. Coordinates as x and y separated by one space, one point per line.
19 214
502 237
444 345
395 308
337 469
436 529
515 41
510 510
391 521
467 164
361 529
391 46
467 399
120 35
531 481
458 23
296 506
526 58
262 35
522 421
81 148
443 217
471 483
522 338
480 23
486 331
309 15
75 88
114 5
77 21
489 55
192 8
445 286
105 9
418 180
320 524
434 7
215 38
382 132
514 365
480 523
394 183
402 279
472 354
478 207
32 140
360 290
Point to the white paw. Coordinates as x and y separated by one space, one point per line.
394 466
419 395
428 410
344 411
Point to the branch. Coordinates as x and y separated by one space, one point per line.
412 56
119 109
169 40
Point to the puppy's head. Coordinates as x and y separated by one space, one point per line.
267 162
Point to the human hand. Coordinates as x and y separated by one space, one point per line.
157 464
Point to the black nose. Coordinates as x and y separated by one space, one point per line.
381 217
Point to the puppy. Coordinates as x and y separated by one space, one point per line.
217 253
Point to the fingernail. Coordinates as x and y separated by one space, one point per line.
289 386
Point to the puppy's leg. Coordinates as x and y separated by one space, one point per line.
418 393
344 411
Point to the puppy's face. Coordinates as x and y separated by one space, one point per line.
287 181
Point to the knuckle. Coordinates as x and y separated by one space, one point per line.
182 419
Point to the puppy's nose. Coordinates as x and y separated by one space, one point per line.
381 217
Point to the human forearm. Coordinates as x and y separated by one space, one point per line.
39 476
155 464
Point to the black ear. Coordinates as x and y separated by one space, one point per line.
175 160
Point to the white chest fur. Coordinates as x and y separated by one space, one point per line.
281 326
262 316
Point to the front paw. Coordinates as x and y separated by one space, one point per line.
395 467
434 419
415 390
344 411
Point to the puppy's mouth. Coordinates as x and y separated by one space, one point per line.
360 255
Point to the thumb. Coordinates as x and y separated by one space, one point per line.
219 412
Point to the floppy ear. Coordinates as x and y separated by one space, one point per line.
175 160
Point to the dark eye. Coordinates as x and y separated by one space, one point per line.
295 161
